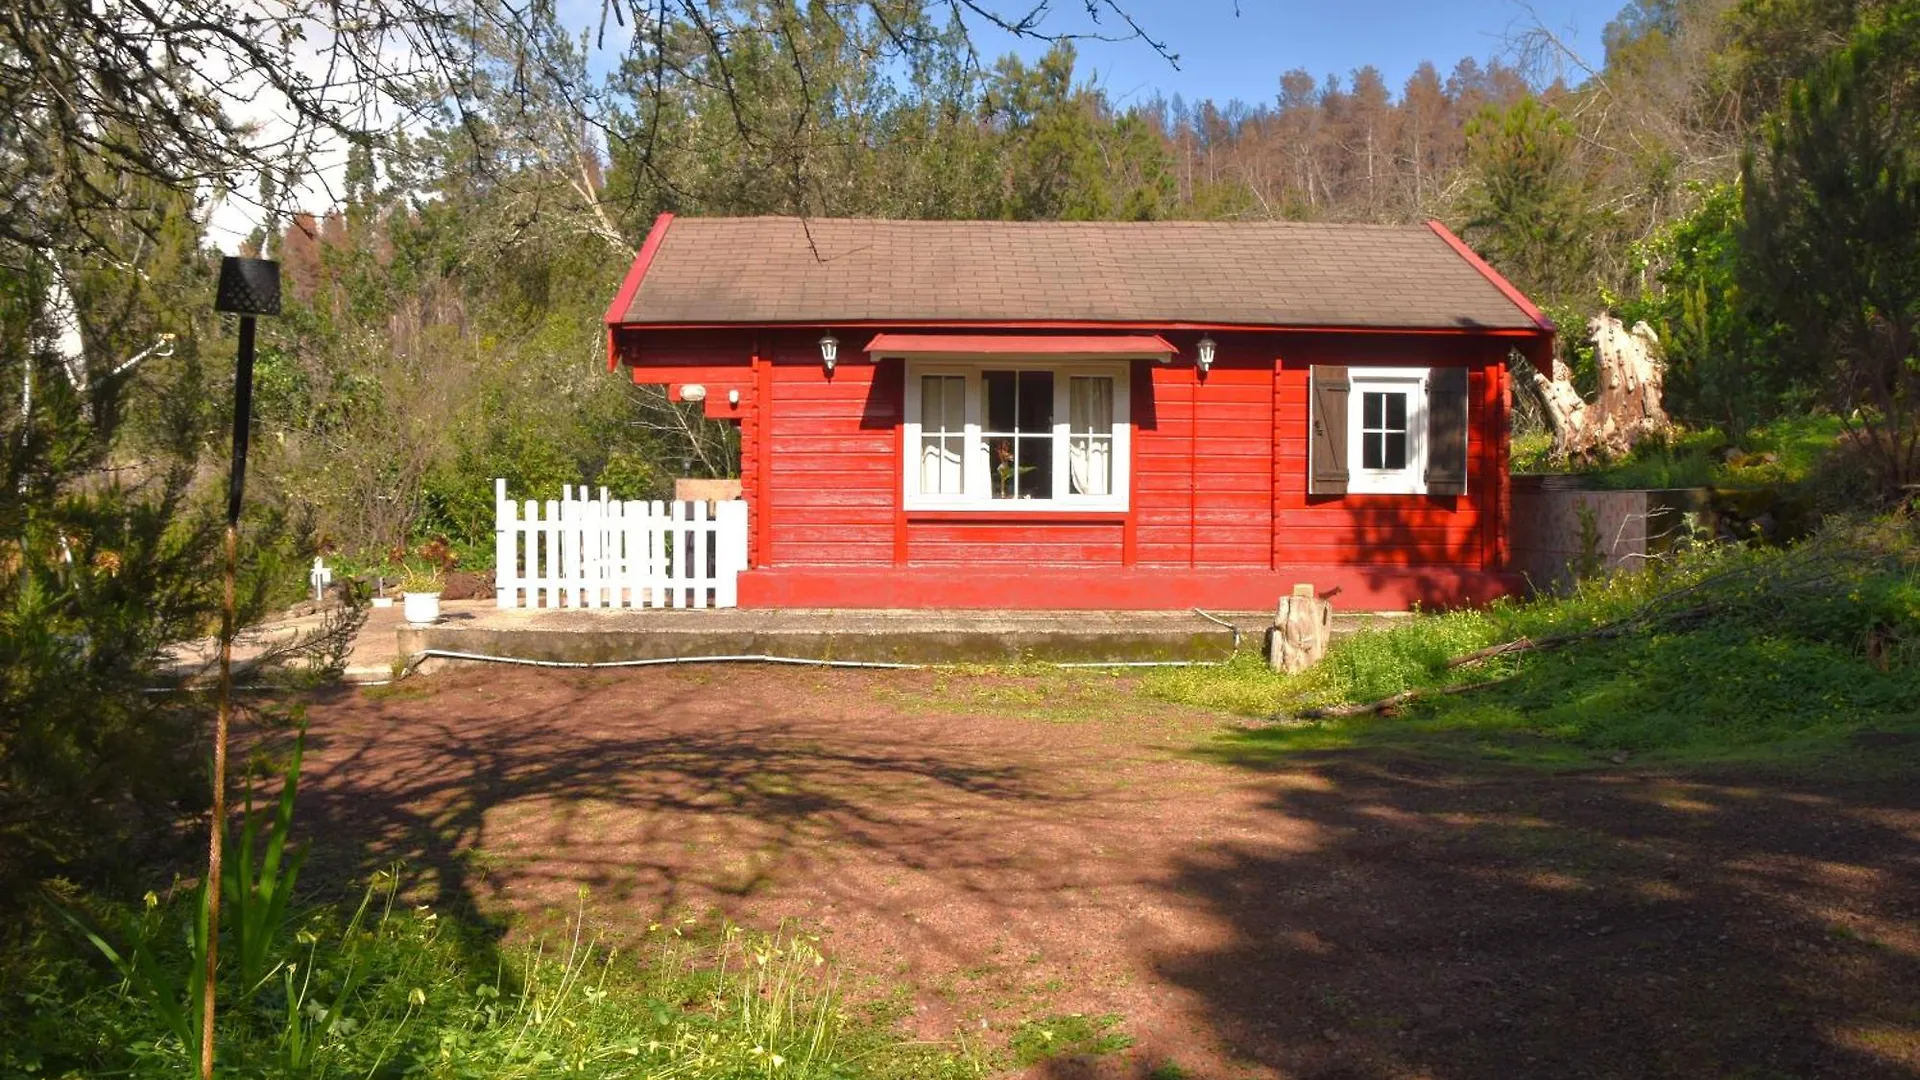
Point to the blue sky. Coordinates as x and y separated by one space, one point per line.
1224 56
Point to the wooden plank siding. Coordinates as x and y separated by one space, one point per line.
830 449
1218 484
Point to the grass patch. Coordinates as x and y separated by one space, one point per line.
1067 1035
393 991
1804 651
1781 454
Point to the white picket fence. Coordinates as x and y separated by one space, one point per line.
587 552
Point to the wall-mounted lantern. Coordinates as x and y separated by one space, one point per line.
693 392
1203 354
829 351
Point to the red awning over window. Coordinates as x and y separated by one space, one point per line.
1084 346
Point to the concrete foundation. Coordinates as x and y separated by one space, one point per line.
919 637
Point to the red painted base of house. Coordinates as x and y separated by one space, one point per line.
1352 588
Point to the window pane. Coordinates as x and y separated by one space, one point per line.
1022 467
1396 449
1090 405
1371 407
930 412
1036 403
1001 466
1090 464
1019 402
1036 462
1396 412
943 403
940 465
955 399
1373 452
1002 405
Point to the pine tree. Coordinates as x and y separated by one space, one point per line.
1831 242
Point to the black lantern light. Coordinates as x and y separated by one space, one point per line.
248 288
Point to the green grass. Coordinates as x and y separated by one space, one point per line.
1788 669
399 991
1067 1035
1783 453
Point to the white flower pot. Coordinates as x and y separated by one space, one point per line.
421 607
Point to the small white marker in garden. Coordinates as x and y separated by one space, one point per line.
321 577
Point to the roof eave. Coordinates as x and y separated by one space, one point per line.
623 300
1493 276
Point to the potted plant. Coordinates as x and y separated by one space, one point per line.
420 585
422 576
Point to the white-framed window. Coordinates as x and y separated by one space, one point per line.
1387 431
1008 434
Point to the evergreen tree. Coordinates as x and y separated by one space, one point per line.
1531 211
1831 242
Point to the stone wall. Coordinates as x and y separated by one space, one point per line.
1547 544
1632 526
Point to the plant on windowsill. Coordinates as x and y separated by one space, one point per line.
1005 474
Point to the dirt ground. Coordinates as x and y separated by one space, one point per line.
1007 848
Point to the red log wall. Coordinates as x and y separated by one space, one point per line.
1220 512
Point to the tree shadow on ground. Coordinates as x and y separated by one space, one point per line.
674 798
1452 922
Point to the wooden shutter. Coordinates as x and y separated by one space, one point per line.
1447 431
1327 452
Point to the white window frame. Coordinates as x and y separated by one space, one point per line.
976 469
1411 381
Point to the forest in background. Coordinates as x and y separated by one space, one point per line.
1741 174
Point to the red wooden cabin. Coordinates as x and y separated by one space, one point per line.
1094 415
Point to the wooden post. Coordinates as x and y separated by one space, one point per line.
1302 626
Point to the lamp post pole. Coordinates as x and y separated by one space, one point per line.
248 288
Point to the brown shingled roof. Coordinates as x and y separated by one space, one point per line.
766 270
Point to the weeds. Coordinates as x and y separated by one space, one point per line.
1069 1035
396 991
393 991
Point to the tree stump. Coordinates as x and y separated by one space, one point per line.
1627 409
1302 626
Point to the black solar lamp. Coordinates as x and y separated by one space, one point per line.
248 288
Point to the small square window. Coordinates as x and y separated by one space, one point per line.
1383 430
1386 430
